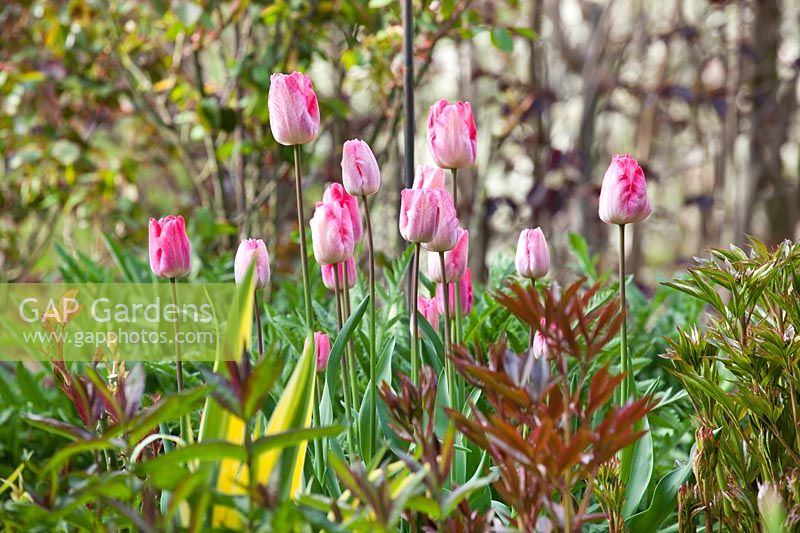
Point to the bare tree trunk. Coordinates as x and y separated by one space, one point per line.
768 129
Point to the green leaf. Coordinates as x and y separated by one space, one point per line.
65 152
188 13
212 450
119 258
525 32
293 437
332 376
57 427
261 380
65 453
170 409
293 411
664 499
640 471
435 361
581 251
502 39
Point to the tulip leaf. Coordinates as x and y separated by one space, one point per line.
332 377
664 497
293 437
640 461
292 411
436 358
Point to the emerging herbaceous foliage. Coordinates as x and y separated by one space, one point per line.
401 397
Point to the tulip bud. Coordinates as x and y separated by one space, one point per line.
455 260
452 136
467 297
418 212
331 233
293 109
623 196
252 250
533 258
428 177
329 281
360 173
322 348
335 193
446 234
428 308
170 251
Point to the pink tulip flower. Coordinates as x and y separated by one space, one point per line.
623 196
418 213
467 296
428 308
330 282
446 233
452 134
322 348
533 258
293 109
360 173
455 261
252 250
429 177
335 193
332 233
169 247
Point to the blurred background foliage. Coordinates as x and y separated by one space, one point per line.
114 111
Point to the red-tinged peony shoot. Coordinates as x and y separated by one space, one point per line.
169 248
251 250
293 109
533 258
360 172
452 136
332 233
623 196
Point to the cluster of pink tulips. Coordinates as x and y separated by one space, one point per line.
428 220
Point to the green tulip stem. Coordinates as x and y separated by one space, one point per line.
178 362
298 188
414 324
373 363
626 387
257 306
449 373
454 173
532 331
185 422
350 351
347 392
